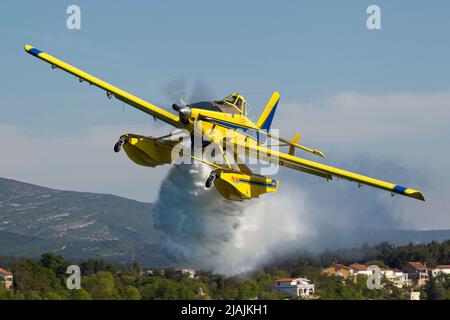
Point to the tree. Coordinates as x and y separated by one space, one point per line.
270 295
131 293
80 294
379 263
100 286
249 290
6 294
187 290
171 274
33 295
128 279
54 262
52 295
280 274
230 290
32 276
148 292
167 290
435 291
92 266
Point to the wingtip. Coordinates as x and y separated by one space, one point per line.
32 50
415 194
419 196
409 192
319 153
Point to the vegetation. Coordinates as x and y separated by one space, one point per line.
383 254
45 278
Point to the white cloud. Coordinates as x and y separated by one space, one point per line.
370 119
410 129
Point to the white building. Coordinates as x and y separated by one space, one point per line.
294 287
398 278
150 272
440 269
189 272
387 273
360 270
7 278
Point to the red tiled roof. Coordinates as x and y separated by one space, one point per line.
444 266
359 267
417 265
286 280
5 272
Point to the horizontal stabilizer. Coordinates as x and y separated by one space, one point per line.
293 141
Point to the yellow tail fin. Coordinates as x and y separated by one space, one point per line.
265 120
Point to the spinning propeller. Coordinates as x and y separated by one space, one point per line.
182 95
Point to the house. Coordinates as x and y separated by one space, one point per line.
7 278
396 276
440 269
338 270
418 272
294 287
189 272
153 272
387 273
360 270
400 279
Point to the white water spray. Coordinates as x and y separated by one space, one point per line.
223 236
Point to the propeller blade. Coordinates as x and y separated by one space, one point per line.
202 91
175 90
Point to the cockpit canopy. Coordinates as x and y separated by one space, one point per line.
237 101
234 104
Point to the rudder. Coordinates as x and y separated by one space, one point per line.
265 120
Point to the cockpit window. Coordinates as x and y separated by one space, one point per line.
239 104
231 99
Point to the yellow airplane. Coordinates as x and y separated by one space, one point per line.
225 125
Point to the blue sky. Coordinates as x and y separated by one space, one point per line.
304 49
318 54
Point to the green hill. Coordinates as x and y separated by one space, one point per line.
81 225
36 219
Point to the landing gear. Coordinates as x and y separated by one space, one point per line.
209 182
118 145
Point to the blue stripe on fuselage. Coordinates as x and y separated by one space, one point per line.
229 125
266 184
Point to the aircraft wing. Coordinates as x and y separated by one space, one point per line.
322 170
120 94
